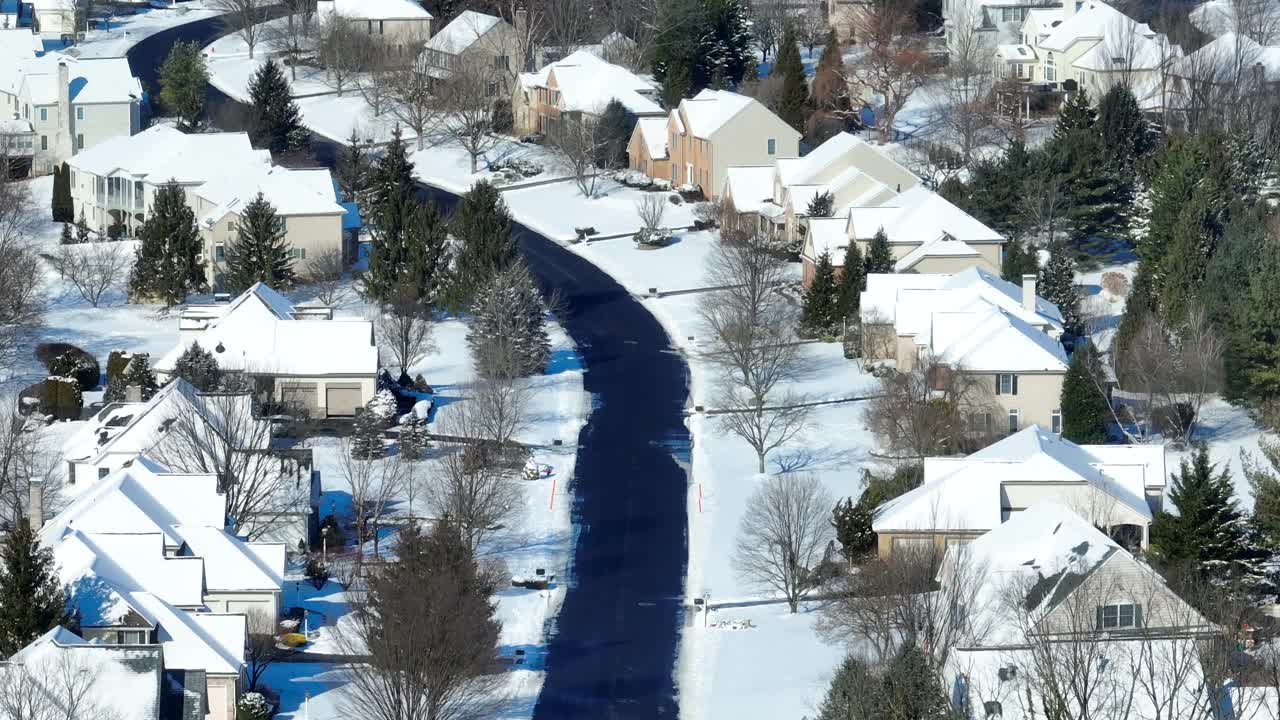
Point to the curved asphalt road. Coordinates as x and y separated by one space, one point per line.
612 651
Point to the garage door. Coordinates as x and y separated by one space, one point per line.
342 400
299 395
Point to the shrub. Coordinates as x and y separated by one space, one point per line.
46 353
420 384
1115 283
79 365
653 237
336 537
117 361
294 640
254 706
1171 419
503 118
60 398
317 571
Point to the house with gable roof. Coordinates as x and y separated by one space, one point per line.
1118 488
706 135
479 40
580 86
1007 337
400 26
1047 598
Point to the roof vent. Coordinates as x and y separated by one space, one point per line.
102 437
220 348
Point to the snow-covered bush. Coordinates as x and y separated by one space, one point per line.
317 571
383 407
60 398
253 706
633 179
653 237
520 167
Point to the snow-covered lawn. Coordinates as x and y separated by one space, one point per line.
444 164
126 31
230 66
555 210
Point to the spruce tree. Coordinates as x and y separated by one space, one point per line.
821 205
354 174
412 441
700 42
1264 482
830 87
392 206
1209 535
82 229
1254 339
820 311
614 127
184 79
275 122
485 246
1182 176
1075 114
1183 269
168 264
793 105
1019 259
1084 408
1057 284
31 598
508 333
409 262
391 182
63 206
67 238
199 367
136 373
1126 135
853 280
260 253
1098 194
996 191
1226 278
879 256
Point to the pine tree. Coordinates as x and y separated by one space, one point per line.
853 529
1182 175
793 105
1138 308
63 206
184 78
853 280
508 333
82 229
199 367
413 438
67 238
1076 114
1057 284
354 174
260 253
700 43
1126 135
1084 408
879 256
393 207
409 261
168 264
821 205
485 246
31 598
1226 278
137 372
1019 259
1098 194
391 181
1182 271
366 436
1209 534
996 192
614 127
1265 484
830 87
1254 337
275 122
819 313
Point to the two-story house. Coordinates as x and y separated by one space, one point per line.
1006 337
400 26
478 42
707 134
61 106
580 86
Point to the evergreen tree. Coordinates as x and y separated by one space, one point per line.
82 229
1126 135
63 206
821 205
136 373
1265 484
31 597
354 173
391 182
820 312
1097 193
1183 269
853 280
1057 284
879 256
508 333
275 122
1076 114
1183 174
996 192
412 441
700 42
793 105
199 367
366 436
168 264
260 253
1019 259
393 206
1226 278
1085 412
485 246
905 690
1140 305
67 238
409 261
183 81
853 530
614 127
1254 339
1209 534
830 87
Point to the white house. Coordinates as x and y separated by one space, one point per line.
1046 600
61 106
1008 337
123 681
1116 487
299 356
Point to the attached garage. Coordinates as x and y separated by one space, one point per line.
341 400
301 395
248 607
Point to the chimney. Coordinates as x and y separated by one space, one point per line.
62 145
1029 293
522 24
133 393
35 502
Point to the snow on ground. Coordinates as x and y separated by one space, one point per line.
124 32
555 210
230 66
444 164
1227 430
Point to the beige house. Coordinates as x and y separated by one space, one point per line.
299 356
1116 487
580 86
401 26
1047 597
478 41
708 134
56 106
1007 337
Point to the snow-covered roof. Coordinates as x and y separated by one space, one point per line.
749 185
965 493
1094 20
19 44
196 641
1043 20
373 9
292 192
1218 17
827 235
709 110
258 334
231 564
1222 59
161 153
984 338
125 678
1016 53
918 216
129 562
588 86
885 291
798 171
462 32
653 130
945 246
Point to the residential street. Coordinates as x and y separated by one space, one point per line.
613 651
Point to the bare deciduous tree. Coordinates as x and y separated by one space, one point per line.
404 329
753 343
262 647
21 302
26 451
409 97
296 35
895 62
374 483
965 108
470 485
783 535
58 684
579 140
467 98
931 409
343 50
651 207
242 17
769 20
324 274
498 408
93 269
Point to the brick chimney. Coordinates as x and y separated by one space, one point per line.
35 502
1029 293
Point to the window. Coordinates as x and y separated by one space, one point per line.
138 195
1119 615
773 146
980 423
281 225
231 226
1013 421
44 142
380 28
1055 422
79 141
298 253
44 114
500 62
369 26
219 253
79 113
71 473
1006 384
1050 72
103 472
